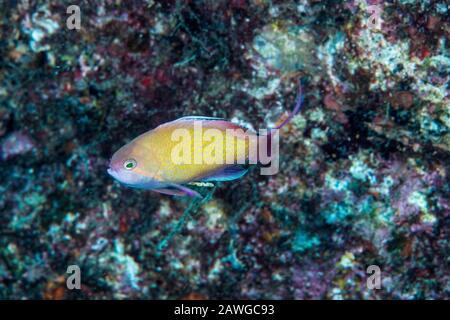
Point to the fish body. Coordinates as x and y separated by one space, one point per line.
155 168
185 151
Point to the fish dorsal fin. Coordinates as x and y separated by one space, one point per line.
211 122
220 121
202 118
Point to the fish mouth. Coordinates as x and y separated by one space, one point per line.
111 172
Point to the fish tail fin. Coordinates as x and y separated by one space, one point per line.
298 106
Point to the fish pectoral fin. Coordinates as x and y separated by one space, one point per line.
201 184
178 190
227 174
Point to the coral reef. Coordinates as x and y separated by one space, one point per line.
363 171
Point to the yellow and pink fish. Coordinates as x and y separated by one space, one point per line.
147 162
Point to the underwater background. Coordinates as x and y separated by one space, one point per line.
364 166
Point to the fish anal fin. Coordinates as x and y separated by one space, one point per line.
228 173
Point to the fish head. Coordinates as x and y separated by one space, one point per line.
128 166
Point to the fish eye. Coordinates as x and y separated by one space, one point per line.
130 164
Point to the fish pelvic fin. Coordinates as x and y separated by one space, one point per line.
175 189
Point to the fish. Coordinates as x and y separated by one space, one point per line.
166 160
